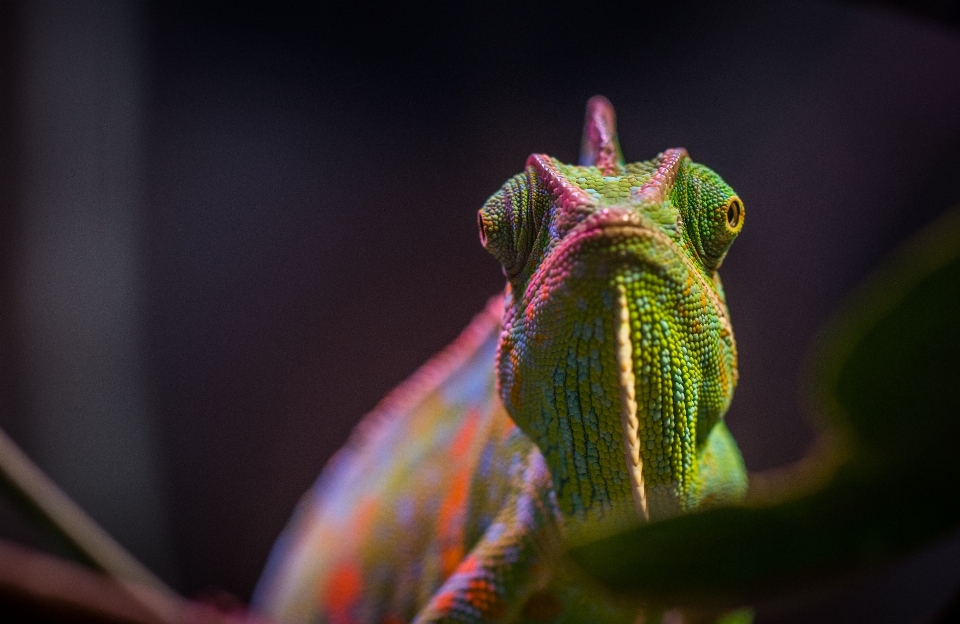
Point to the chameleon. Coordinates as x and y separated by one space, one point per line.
591 391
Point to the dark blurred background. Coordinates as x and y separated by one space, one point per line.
227 231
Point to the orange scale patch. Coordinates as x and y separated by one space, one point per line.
453 507
461 443
469 565
450 521
508 428
365 515
482 595
444 601
342 592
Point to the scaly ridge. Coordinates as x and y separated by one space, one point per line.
628 404
568 195
658 187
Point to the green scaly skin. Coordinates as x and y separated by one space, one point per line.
593 392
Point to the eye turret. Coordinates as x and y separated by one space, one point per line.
510 221
712 214
496 224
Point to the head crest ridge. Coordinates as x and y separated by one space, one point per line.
568 195
658 186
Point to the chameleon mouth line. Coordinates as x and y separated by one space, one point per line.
628 404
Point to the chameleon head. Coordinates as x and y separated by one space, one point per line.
616 357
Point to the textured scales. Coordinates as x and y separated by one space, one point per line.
628 405
593 390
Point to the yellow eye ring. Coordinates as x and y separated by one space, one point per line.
734 213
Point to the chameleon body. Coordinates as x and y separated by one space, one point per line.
592 390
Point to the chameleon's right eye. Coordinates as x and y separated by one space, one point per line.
511 221
501 222
482 227
496 232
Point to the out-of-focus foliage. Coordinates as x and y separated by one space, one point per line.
885 376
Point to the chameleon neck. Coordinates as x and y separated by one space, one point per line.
576 417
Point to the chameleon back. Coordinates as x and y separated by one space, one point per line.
385 523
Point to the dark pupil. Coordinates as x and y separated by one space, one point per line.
733 214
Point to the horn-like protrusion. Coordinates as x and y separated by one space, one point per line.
599 146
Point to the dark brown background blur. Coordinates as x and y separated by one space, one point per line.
226 232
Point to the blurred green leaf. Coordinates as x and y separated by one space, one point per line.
887 380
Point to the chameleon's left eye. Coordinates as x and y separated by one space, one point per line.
734 213
712 213
718 230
